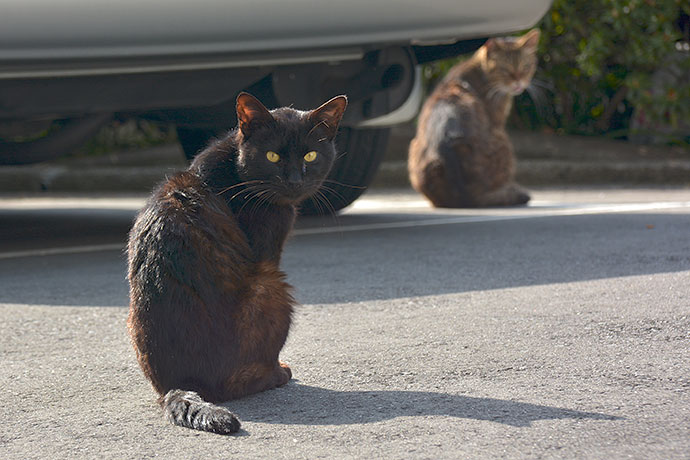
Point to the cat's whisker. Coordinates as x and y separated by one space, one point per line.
330 208
251 193
317 203
324 207
241 184
340 156
268 197
249 199
248 190
320 197
324 199
543 84
330 189
334 192
538 98
261 198
322 122
330 181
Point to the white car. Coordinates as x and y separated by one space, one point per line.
68 66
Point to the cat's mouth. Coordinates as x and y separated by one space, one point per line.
294 193
280 193
516 88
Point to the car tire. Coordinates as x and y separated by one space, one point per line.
360 152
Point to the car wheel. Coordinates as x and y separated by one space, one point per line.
360 152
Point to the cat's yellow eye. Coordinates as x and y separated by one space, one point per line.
272 156
309 157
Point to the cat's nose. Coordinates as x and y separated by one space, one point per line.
518 87
294 177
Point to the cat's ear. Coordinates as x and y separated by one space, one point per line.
251 114
530 40
328 116
492 44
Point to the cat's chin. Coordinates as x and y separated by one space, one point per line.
285 201
292 198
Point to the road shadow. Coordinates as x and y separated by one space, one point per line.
35 229
356 266
298 404
411 261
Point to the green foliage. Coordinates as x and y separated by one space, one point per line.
598 59
128 134
434 71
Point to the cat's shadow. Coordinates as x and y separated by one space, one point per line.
299 404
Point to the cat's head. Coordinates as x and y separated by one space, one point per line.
510 62
285 154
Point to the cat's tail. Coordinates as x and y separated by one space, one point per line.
186 408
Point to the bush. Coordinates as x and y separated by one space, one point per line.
128 134
598 63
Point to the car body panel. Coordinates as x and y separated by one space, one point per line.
39 34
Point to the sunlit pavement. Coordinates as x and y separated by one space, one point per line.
557 330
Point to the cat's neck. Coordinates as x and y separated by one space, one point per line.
472 75
265 224
215 166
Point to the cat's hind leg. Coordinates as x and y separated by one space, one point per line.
255 378
188 409
434 185
286 370
510 194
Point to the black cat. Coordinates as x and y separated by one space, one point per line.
209 307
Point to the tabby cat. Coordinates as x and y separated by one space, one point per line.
461 155
209 308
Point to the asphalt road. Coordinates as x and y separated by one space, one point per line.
560 330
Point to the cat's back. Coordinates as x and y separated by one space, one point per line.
183 207
454 109
452 114
185 235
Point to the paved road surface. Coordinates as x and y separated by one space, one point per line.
561 330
